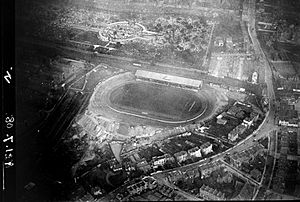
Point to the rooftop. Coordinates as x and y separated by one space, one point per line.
212 191
238 130
168 78
181 153
205 145
195 149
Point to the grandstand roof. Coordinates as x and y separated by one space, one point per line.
169 78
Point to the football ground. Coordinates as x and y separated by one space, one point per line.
157 101
124 97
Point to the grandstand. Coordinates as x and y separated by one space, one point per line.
169 79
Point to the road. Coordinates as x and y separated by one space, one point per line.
240 173
265 127
274 162
269 122
126 63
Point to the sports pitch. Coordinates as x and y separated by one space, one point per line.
157 101
125 99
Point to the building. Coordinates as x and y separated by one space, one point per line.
165 190
122 194
128 166
233 111
229 42
206 148
169 79
209 193
161 160
234 134
191 173
115 165
207 169
137 157
237 158
251 119
174 176
248 122
181 156
255 174
144 184
219 41
287 115
150 181
254 77
290 123
254 116
195 152
134 189
221 121
144 166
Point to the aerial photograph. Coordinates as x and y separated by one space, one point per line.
157 100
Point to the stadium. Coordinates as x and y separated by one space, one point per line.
151 98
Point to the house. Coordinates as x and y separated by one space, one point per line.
288 116
192 173
207 169
128 166
206 148
132 159
190 143
161 160
254 116
254 77
237 158
229 42
248 122
219 41
195 152
181 156
255 174
115 165
232 111
290 123
144 166
221 121
137 157
209 193
234 134
165 190
138 187
123 193
174 176
151 182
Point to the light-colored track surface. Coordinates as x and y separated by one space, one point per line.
101 105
